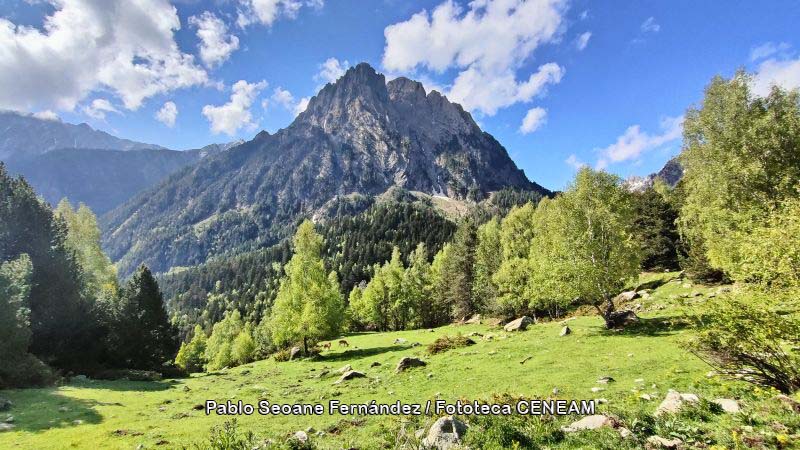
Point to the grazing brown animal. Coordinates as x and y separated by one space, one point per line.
343 343
326 346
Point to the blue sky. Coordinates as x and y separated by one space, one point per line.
610 81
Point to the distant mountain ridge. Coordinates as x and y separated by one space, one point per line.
25 136
671 174
359 135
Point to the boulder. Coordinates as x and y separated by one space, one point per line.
625 433
294 353
446 433
349 376
565 331
590 423
620 319
345 369
605 380
300 436
626 296
728 405
657 442
400 341
674 401
519 324
474 320
5 404
6 427
408 362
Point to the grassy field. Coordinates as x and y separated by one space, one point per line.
648 359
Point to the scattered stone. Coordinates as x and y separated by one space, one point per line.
446 433
674 401
639 380
565 331
474 320
430 375
408 362
6 427
415 344
310 430
489 337
655 442
625 433
695 294
9 419
555 391
474 334
598 389
400 341
601 401
606 379
77 422
300 436
789 401
5 404
375 364
590 423
520 324
728 405
626 296
349 376
345 369
646 397
294 352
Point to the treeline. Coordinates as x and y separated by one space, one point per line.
61 306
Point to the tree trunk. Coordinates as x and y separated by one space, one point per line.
305 345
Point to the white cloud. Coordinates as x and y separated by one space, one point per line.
167 114
634 142
266 12
331 70
285 99
768 49
216 44
574 162
781 72
488 42
534 119
121 46
47 115
235 114
650 26
583 40
98 109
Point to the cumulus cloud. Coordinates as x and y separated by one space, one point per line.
121 46
487 42
331 70
650 26
776 67
216 43
534 119
285 99
583 40
634 142
98 109
235 115
266 12
167 114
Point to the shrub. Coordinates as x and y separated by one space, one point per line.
228 437
745 336
445 343
282 355
191 356
24 371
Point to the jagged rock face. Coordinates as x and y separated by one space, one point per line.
671 174
358 135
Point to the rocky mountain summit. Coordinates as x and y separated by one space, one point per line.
359 135
671 174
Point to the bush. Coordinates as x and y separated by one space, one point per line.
24 371
282 355
746 337
445 343
228 437
191 356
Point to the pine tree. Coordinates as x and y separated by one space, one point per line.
458 274
15 287
309 306
144 337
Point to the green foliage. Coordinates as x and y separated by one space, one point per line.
142 335
458 272
228 437
244 346
83 238
417 289
445 343
748 336
309 306
191 356
383 302
656 229
770 254
220 347
488 259
742 160
583 246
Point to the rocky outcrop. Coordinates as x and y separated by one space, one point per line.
520 324
408 362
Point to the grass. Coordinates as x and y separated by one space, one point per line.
125 414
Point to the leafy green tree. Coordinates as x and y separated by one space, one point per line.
15 287
417 288
83 238
488 259
458 272
142 334
191 356
382 302
309 306
584 245
439 310
220 347
770 255
742 160
244 346
516 232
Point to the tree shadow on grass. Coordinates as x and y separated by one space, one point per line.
362 353
126 385
41 409
651 326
